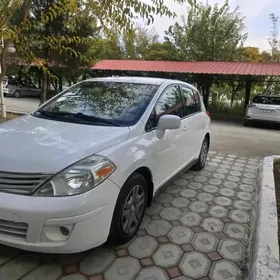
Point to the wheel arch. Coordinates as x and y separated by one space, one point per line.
207 136
147 174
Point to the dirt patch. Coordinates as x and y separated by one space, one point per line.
10 116
277 190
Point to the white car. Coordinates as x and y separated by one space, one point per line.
82 169
263 108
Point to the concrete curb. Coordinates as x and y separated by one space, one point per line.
17 113
264 262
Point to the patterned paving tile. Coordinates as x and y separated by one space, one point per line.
224 270
152 273
45 272
212 225
195 265
143 247
190 219
231 250
195 229
205 242
180 235
158 228
167 255
170 213
123 269
101 257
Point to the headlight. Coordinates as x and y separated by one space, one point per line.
78 178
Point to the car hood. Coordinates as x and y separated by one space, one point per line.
30 144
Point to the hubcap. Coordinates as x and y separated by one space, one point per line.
133 209
204 152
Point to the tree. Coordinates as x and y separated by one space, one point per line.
273 83
161 51
253 54
56 45
274 40
106 14
210 33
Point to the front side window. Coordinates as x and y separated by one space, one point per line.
101 103
169 103
191 101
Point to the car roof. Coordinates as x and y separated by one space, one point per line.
142 80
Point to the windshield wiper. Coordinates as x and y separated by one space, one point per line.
79 116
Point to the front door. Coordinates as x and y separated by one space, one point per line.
166 154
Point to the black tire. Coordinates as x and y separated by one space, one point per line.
246 123
117 235
202 157
17 93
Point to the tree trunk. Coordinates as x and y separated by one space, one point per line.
207 94
43 95
2 101
232 98
60 83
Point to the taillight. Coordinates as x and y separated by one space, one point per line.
208 113
7 86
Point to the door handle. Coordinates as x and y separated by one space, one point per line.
186 128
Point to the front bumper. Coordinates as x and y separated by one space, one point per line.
34 223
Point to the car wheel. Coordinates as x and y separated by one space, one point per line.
17 94
202 156
129 210
246 123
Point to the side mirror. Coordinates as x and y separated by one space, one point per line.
169 122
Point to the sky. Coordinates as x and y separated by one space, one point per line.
256 13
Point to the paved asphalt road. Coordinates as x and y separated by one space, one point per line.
227 137
23 105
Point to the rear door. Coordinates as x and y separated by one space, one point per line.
192 121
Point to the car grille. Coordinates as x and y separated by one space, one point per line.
21 183
13 229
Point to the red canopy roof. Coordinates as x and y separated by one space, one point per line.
203 67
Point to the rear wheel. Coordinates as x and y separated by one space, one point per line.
17 94
202 156
246 123
129 210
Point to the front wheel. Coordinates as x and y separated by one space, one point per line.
129 210
202 156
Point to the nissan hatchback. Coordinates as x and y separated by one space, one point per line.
82 169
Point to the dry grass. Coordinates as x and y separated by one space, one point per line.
10 116
277 190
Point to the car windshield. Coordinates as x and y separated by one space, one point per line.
100 103
271 100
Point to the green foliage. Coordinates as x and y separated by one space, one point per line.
223 107
210 33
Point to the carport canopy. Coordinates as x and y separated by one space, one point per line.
249 70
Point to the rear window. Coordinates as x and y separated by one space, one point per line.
271 100
13 82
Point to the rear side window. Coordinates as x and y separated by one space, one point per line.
270 100
191 101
